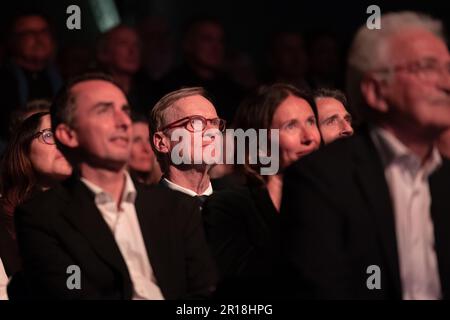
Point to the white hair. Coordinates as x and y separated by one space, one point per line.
369 47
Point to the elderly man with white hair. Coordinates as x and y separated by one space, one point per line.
368 217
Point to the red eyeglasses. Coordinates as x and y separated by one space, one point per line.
196 124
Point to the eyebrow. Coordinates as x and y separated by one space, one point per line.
102 104
334 116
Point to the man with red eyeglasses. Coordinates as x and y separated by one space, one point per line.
188 111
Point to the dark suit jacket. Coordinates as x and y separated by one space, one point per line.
242 228
63 227
337 220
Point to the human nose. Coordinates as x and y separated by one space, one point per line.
122 119
346 128
306 136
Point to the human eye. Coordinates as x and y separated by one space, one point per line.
197 123
127 109
104 109
348 118
311 121
331 121
290 125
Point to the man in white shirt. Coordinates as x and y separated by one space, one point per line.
190 110
100 235
378 203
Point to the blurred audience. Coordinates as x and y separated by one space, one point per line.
367 216
288 59
334 120
158 49
324 61
143 165
75 59
119 54
204 53
29 73
242 224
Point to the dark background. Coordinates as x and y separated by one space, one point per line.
247 23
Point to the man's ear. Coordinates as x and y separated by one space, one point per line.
66 136
161 142
372 89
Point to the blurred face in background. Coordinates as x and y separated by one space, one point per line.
46 160
299 134
415 98
142 157
204 45
122 50
289 58
334 120
33 44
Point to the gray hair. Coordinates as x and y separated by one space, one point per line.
369 49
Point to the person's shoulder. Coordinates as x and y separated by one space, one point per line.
43 207
171 200
337 155
232 200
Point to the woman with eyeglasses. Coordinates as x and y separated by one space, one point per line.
242 224
31 163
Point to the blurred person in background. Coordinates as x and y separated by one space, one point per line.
157 47
143 165
366 217
29 73
324 59
288 59
203 66
119 54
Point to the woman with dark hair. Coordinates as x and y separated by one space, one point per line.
31 163
143 165
242 224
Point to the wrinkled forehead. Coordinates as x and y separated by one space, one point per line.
88 93
329 104
416 44
190 106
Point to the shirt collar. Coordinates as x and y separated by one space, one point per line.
393 150
101 197
189 192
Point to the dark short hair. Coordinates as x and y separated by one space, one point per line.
63 106
331 93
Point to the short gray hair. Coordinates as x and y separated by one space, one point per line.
158 115
369 47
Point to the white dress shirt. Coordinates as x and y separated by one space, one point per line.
125 227
189 192
3 282
407 179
